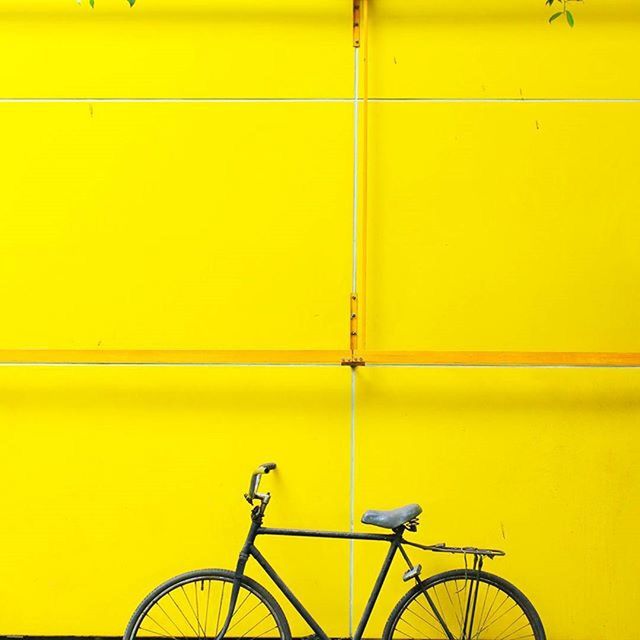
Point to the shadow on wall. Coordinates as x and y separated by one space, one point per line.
489 390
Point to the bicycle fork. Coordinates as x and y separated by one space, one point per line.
235 590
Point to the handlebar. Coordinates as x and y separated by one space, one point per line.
255 481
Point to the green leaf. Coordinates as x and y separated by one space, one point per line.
92 3
555 15
549 3
570 18
131 2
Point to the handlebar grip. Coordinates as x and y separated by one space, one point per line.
267 466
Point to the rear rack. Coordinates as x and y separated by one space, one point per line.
441 547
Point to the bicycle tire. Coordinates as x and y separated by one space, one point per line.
224 576
499 584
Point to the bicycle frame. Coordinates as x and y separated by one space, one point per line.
394 539
249 550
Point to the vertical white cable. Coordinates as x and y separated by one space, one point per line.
354 285
352 478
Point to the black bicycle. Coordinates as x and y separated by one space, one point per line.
463 604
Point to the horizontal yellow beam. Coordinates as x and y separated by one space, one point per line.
504 358
317 357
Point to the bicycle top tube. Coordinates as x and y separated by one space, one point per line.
313 533
440 547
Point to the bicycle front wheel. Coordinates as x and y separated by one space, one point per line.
464 605
194 606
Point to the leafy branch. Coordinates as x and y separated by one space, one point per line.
92 3
565 12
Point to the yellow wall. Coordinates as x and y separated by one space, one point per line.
540 463
115 479
493 224
504 226
154 226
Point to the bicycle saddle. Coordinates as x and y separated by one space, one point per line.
392 518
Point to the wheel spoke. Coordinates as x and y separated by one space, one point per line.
245 615
410 625
220 608
502 613
194 611
453 606
435 591
425 609
162 627
206 610
182 612
406 635
482 626
235 611
511 625
195 591
515 604
440 626
425 620
261 634
255 625
457 592
484 602
524 626
175 624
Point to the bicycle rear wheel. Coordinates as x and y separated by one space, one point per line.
471 605
194 606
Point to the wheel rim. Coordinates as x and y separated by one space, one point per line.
497 616
196 609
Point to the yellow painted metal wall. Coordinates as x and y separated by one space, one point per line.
502 215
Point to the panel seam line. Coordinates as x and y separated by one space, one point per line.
314 100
